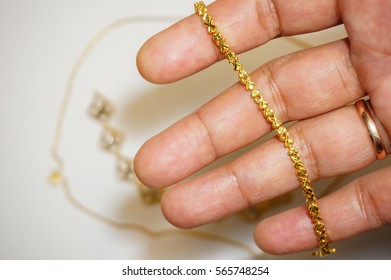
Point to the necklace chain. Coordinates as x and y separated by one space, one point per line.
57 176
281 131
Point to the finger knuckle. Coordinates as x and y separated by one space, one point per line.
368 205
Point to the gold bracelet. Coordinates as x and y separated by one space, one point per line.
282 133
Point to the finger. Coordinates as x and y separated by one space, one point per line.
370 52
362 205
297 86
186 48
332 144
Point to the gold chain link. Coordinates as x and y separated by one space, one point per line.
282 133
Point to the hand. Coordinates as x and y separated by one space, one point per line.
313 86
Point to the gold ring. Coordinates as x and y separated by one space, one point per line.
365 114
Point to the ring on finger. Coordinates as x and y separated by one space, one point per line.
366 115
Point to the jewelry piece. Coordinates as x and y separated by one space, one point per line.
102 109
365 114
282 133
111 140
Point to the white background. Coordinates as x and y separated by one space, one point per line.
40 41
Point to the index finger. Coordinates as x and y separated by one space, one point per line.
185 48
